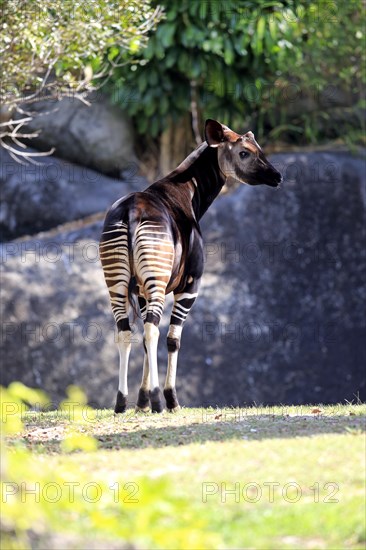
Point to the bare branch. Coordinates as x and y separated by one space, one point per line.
19 143
15 157
35 80
12 132
10 122
14 127
43 83
26 154
149 23
32 113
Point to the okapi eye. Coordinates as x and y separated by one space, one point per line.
243 155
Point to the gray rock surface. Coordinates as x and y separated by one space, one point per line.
280 317
98 136
288 287
38 197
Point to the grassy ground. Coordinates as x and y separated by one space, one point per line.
258 478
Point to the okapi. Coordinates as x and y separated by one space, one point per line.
151 245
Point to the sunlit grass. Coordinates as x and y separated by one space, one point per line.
259 477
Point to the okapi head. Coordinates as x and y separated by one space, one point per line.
240 156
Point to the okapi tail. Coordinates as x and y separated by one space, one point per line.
132 294
132 299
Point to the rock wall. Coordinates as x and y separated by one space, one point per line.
98 136
291 268
280 317
38 197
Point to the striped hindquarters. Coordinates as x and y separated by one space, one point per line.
114 255
153 255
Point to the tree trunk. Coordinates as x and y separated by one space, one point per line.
176 143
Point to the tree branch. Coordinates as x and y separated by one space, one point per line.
35 78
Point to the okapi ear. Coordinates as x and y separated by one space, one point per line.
250 135
214 132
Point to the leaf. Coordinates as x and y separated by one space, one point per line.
135 45
142 82
164 105
159 50
10 412
171 58
203 10
272 28
27 395
261 25
79 442
75 394
149 51
167 35
196 68
150 108
153 78
113 52
229 52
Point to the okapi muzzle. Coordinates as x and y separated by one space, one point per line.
152 245
240 156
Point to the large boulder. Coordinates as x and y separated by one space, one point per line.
98 135
37 197
280 317
285 292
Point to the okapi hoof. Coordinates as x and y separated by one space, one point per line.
155 400
171 399
143 401
174 410
140 410
121 403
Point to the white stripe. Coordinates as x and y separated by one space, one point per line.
185 295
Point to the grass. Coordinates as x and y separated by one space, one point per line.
258 478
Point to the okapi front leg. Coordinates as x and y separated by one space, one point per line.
173 344
182 305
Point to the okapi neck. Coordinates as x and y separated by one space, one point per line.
209 178
207 174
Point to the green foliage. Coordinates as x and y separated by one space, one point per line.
74 41
279 65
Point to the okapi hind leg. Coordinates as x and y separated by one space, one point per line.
124 348
149 392
151 337
113 250
143 398
153 261
182 305
154 310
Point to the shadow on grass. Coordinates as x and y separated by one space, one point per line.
115 433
